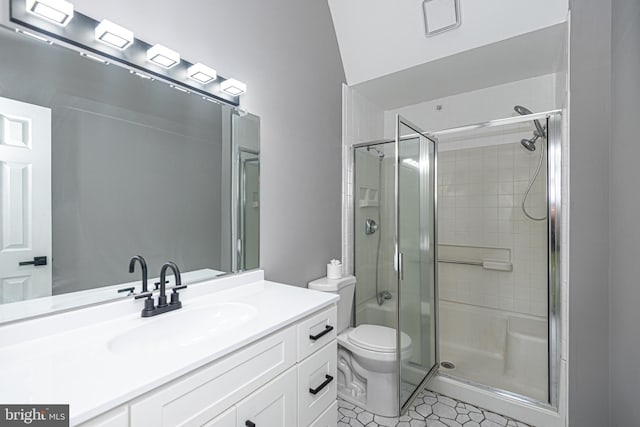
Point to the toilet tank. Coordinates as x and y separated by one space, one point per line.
345 287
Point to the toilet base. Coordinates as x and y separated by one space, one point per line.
375 392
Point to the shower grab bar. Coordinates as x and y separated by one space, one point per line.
455 261
486 264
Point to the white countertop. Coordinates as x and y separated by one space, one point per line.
66 358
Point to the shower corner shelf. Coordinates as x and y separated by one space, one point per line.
368 198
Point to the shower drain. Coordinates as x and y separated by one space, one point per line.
447 365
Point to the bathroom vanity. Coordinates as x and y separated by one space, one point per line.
241 352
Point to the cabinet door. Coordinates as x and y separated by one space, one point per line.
226 419
118 417
273 405
328 418
317 383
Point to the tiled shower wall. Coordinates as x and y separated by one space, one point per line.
479 195
362 121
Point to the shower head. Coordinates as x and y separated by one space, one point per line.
380 153
523 111
529 144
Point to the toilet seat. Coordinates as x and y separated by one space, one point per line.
378 338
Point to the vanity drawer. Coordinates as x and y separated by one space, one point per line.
317 383
274 405
316 331
328 418
199 397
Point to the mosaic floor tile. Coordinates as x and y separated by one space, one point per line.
428 410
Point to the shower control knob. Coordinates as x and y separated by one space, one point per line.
370 226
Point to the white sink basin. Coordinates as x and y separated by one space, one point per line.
182 328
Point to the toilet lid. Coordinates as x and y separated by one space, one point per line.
378 338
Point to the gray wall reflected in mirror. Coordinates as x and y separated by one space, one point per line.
137 167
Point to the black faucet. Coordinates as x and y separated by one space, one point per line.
150 309
143 264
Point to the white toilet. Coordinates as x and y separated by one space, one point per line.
367 366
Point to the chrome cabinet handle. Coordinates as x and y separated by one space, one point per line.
321 334
325 383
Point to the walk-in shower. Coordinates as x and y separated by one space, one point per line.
466 254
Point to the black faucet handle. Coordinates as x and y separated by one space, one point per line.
128 290
178 288
144 295
157 284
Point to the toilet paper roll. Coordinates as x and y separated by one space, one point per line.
334 269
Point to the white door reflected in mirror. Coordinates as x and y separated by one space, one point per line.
25 194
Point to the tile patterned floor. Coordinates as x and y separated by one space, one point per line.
429 410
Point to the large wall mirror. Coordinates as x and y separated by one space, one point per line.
98 165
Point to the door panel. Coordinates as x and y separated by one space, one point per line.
415 258
25 198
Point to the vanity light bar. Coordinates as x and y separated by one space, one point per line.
163 56
61 12
113 35
233 87
201 73
57 11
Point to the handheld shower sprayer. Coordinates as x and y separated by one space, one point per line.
540 132
530 144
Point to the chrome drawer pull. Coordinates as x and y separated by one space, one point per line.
321 334
325 383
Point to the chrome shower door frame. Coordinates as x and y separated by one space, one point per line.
556 251
555 268
424 139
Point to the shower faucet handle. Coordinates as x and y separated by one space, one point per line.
370 226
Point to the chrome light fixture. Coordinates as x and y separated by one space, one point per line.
233 87
201 73
57 20
57 11
163 56
113 35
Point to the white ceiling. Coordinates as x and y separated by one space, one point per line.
381 37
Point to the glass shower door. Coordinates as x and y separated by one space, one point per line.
415 259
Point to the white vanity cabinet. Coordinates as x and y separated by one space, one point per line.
287 379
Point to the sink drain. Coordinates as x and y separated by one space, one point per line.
447 365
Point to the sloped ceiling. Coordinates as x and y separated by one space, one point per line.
380 37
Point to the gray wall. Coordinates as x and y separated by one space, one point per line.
625 212
287 53
589 213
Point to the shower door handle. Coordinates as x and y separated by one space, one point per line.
401 265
